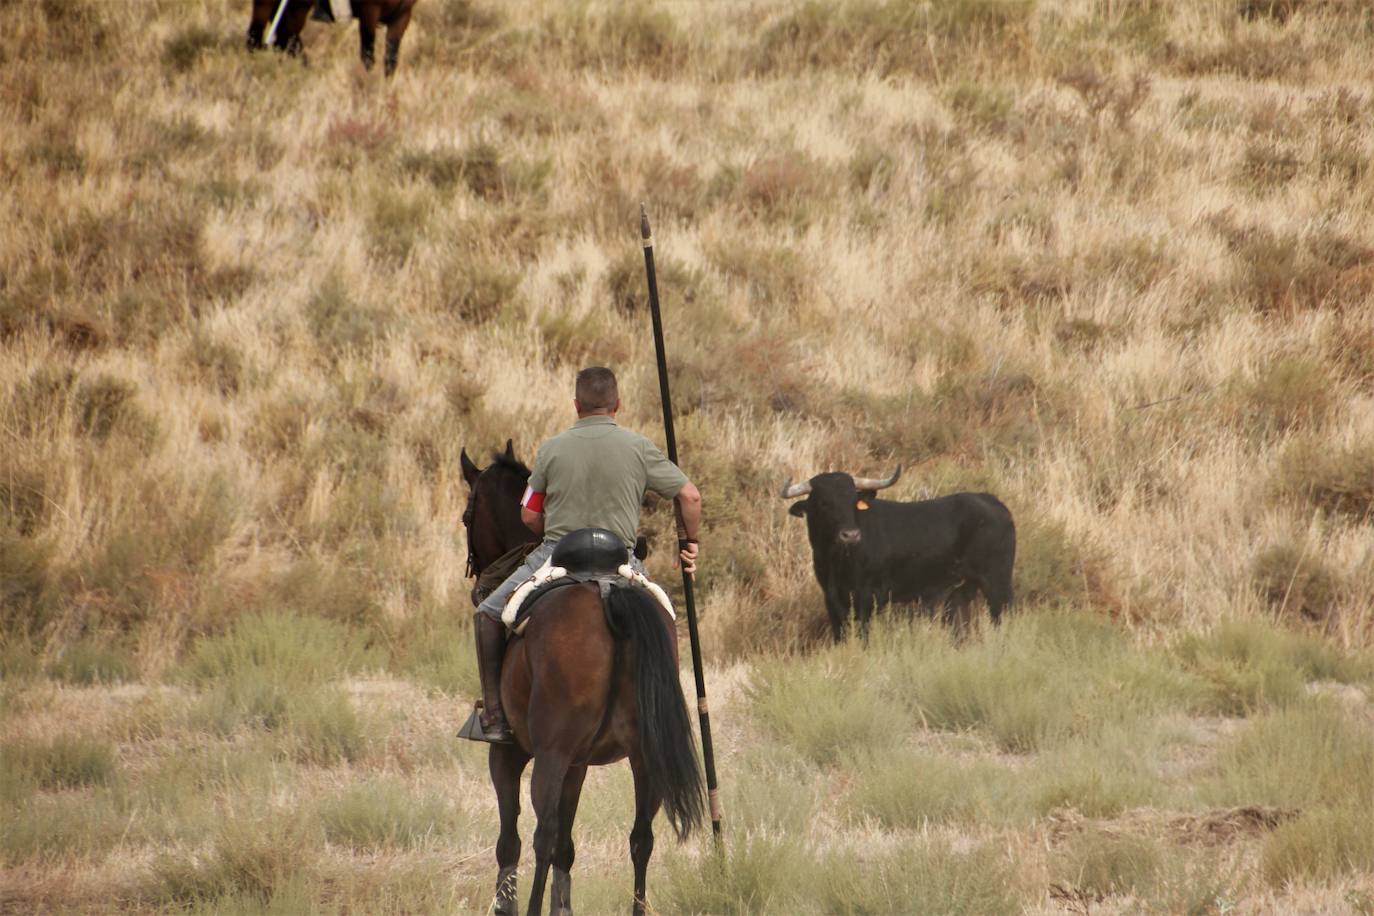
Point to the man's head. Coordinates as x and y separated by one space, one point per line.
596 392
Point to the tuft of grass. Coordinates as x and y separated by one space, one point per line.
250 860
817 705
61 828
912 790
1339 480
185 48
918 877
340 323
60 762
1322 845
1246 665
382 814
756 873
1307 755
1295 581
1102 862
92 660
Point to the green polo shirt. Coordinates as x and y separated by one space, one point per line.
595 475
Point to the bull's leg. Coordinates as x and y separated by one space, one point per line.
507 762
560 897
865 601
958 614
998 596
642 833
368 17
837 609
395 31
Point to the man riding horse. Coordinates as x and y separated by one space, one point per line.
592 475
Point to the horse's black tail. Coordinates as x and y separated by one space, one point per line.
665 732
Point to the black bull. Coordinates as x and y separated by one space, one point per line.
869 552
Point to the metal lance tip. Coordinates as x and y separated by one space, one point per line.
644 225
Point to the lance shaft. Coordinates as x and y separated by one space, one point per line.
698 672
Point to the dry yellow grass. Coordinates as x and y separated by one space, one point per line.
1112 261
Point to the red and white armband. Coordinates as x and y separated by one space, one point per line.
533 500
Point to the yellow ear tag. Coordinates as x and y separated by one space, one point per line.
862 505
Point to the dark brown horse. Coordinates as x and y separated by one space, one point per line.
584 686
394 14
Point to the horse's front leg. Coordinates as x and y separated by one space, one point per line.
546 790
642 833
507 762
560 898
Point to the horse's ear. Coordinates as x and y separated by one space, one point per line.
510 450
470 470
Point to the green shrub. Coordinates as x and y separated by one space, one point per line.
437 650
1247 665
1322 845
251 859
93 660
919 877
477 291
279 647
339 323
1337 480
1101 862
61 762
905 790
1306 755
185 48
749 874
382 814
60 828
1295 581
816 705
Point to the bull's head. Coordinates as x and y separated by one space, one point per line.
831 503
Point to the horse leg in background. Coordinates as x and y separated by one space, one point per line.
642 833
395 31
368 17
546 790
257 23
560 898
506 762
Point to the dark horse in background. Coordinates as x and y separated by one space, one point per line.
394 14
582 687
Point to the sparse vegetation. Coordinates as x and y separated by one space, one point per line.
1112 261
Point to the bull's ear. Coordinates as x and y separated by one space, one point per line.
470 470
867 496
798 508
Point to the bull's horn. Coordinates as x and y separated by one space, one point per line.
792 490
876 483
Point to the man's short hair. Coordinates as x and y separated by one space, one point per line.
596 388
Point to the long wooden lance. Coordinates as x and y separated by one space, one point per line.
703 710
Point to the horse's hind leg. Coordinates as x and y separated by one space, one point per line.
368 17
642 833
560 898
546 790
395 31
507 762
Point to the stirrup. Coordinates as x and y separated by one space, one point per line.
473 731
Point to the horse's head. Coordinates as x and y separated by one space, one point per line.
492 516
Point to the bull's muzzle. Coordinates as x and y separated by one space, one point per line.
848 536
